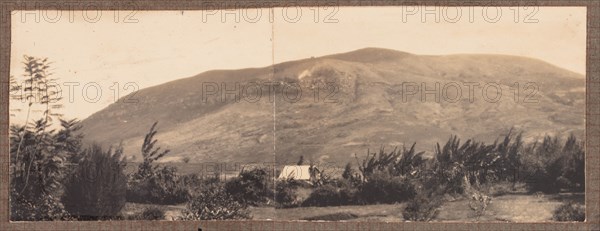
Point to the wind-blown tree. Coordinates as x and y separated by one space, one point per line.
151 183
387 177
150 154
397 162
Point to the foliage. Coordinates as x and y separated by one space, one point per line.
300 160
152 184
396 163
214 203
37 90
324 195
422 208
163 187
479 203
318 177
351 175
551 166
478 162
150 154
251 187
149 213
37 162
285 193
37 174
96 189
569 211
383 187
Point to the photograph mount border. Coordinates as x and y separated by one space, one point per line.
592 126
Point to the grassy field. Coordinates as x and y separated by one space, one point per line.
509 208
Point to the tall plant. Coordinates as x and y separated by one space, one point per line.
150 153
96 189
37 89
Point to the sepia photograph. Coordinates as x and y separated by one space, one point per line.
328 113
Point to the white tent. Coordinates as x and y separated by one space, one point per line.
297 172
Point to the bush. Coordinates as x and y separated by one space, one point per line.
349 194
214 203
551 166
149 213
422 208
251 187
569 211
324 195
163 187
96 190
381 187
285 193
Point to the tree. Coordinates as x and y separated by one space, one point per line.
38 161
151 184
300 161
348 172
150 154
37 177
251 187
37 90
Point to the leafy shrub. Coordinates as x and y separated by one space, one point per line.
479 203
349 193
382 187
97 188
569 212
422 208
251 187
351 176
153 213
38 167
324 195
192 182
214 203
149 213
163 187
335 193
285 193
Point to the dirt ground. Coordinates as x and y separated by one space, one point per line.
508 208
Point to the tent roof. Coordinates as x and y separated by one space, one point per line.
298 172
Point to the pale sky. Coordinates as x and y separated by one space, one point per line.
155 47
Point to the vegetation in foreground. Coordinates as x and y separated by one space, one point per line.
54 177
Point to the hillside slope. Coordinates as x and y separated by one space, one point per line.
349 102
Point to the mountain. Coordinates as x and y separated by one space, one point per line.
349 103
